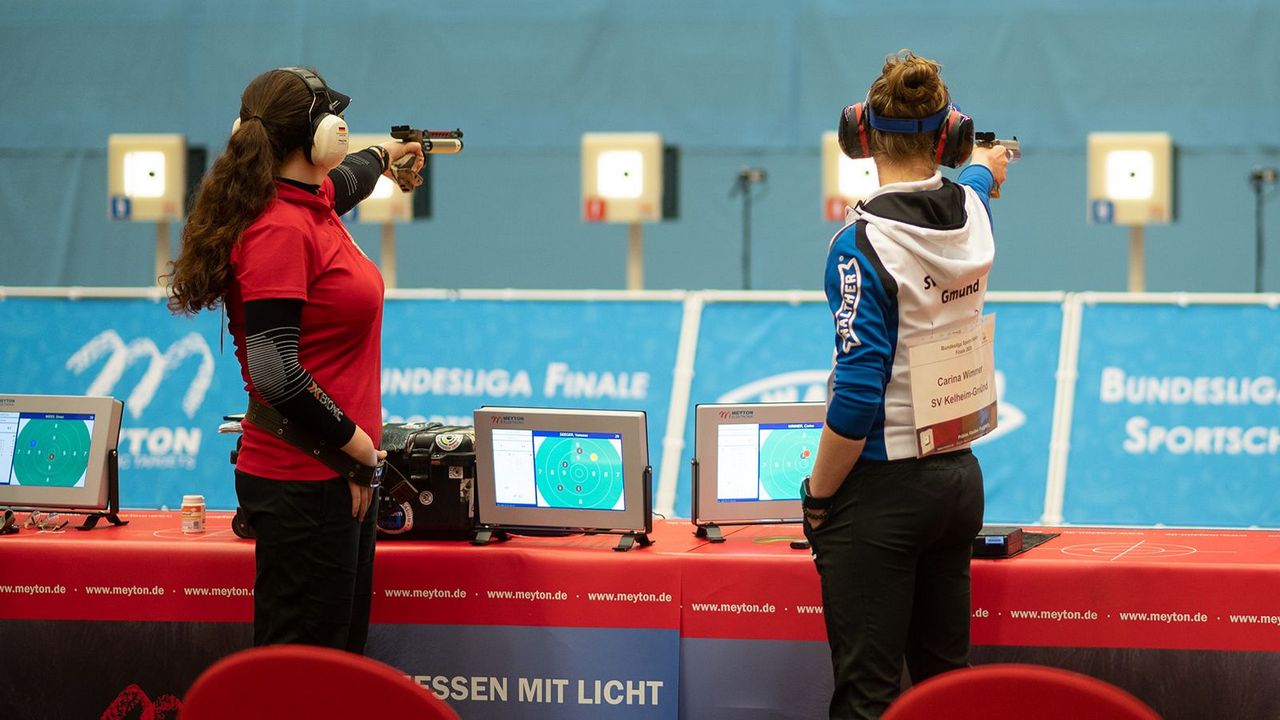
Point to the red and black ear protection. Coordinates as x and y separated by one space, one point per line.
954 131
853 132
328 142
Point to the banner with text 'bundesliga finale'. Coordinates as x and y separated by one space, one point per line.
442 359
1176 417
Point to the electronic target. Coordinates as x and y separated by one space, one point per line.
579 470
786 458
52 450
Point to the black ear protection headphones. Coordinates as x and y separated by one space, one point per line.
954 131
328 144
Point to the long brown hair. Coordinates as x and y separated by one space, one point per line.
274 121
909 86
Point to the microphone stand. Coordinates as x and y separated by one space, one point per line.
1259 178
742 185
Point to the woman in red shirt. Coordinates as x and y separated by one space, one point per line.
304 306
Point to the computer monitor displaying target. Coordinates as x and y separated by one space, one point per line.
750 459
55 450
562 469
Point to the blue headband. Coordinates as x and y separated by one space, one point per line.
908 126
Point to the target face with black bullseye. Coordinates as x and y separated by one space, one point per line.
579 470
52 452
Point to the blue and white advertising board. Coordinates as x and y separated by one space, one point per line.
441 359
1015 456
751 352
174 378
1176 417
781 352
539 673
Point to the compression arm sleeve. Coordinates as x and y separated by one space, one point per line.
979 178
354 179
271 350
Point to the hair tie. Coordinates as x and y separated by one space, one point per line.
254 117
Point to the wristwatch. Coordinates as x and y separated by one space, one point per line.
384 155
809 502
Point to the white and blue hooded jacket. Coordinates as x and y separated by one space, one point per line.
912 260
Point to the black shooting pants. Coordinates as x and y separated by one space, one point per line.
314 576
893 556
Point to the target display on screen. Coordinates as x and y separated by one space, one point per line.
563 470
579 470
559 469
786 458
750 460
765 461
58 451
45 449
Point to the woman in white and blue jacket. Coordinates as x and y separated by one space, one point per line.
892 532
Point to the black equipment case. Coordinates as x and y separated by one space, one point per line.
439 462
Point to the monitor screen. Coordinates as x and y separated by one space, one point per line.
752 458
54 448
571 469
565 469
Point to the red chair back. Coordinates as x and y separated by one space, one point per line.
1016 690
301 681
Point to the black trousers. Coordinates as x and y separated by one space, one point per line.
893 556
314 575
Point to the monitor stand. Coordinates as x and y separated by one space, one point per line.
631 539
112 513
484 535
711 532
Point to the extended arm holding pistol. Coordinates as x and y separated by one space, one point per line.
434 142
1012 147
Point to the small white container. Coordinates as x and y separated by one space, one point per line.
192 513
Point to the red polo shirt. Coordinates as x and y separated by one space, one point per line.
298 249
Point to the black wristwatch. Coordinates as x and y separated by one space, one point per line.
383 154
809 502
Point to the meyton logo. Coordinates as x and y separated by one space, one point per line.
508 420
159 365
727 414
163 447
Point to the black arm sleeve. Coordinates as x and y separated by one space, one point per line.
271 329
355 178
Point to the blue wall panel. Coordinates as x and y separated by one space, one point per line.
746 83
